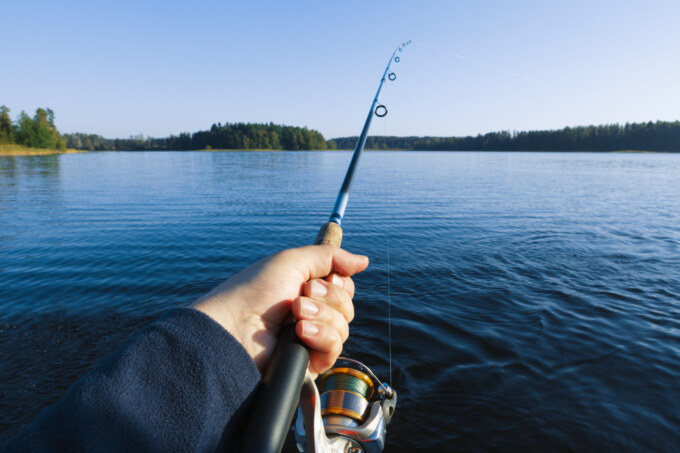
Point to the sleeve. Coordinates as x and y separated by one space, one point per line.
181 384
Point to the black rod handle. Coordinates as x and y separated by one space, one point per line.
279 394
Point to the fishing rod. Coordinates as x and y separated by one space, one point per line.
352 413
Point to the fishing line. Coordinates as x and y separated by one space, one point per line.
387 236
389 311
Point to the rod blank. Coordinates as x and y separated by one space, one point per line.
279 394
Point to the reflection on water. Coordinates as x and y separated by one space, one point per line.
534 296
27 173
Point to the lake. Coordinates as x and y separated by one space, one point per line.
534 296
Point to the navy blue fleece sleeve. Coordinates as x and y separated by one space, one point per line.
182 384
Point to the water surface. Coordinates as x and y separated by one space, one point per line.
534 295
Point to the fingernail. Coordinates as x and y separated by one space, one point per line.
318 290
309 329
309 308
338 281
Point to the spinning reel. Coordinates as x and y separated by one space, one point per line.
352 414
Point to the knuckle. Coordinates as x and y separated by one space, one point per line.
296 306
348 308
328 250
327 362
336 349
349 286
339 300
344 331
350 317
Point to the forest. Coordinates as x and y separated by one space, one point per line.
36 132
651 136
220 136
40 131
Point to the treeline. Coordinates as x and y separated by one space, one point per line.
39 131
36 132
228 136
651 136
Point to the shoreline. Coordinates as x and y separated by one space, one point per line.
12 149
20 150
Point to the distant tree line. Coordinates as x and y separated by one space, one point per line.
36 132
228 136
39 131
657 136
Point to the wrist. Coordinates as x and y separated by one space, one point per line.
218 312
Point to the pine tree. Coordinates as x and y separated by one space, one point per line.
6 133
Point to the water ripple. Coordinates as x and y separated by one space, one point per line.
534 296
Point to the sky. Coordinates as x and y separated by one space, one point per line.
158 68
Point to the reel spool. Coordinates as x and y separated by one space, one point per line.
345 394
351 415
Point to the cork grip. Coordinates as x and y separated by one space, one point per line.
329 233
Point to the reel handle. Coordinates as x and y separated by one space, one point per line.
279 394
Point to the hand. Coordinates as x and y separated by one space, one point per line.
313 283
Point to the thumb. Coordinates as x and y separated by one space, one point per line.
318 261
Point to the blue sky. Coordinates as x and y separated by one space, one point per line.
160 68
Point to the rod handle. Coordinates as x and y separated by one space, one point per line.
329 233
279 394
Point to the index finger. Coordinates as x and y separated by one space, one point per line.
318 261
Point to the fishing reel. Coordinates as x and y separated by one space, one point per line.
350 416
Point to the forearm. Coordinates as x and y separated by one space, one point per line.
183 383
